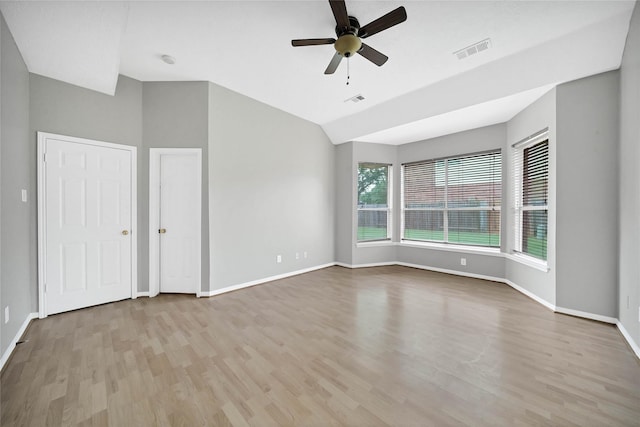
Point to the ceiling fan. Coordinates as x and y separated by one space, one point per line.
350 33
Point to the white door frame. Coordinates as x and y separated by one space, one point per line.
42 210
154 216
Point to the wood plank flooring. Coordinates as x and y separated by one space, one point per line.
367 347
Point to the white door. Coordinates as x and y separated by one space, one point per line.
86 224
179 221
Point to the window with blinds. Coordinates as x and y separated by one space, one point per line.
453 200
531 170
374 202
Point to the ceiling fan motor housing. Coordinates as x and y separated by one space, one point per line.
348 43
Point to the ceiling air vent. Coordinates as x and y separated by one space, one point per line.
473 49
355 99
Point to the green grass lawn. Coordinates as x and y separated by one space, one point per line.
535 247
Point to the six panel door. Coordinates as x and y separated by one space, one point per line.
88 225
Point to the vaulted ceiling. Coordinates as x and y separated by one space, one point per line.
424 90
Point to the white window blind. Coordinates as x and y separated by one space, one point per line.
453 200
374 202
531 179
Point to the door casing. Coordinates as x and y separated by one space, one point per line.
42 231
154 215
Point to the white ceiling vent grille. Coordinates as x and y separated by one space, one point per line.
355 99
473 49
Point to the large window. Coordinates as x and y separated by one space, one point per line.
374 201
453 200
531 170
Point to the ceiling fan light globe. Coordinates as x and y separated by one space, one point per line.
348 45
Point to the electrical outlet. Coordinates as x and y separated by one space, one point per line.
305 254
297 255
6 314
279 259
24 195
463 261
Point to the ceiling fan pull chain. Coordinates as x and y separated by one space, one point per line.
348 70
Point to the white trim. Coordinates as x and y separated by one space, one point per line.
154 216
528 261
454 272
19 335
143 294
264 280
586 315
42 138
372 264
452 248
530 294
627 336
375 243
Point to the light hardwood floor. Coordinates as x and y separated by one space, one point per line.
367 347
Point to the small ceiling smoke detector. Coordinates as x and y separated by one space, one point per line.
168 59
473 49
355 99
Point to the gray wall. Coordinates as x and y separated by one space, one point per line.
539 115
18 244
61 108
271 190
587 194
629 182
344 195
175 115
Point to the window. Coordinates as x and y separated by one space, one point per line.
374 202
531 173
453 200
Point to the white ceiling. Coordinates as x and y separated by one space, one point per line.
421 92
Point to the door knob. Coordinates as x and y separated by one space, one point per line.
125 232
162 230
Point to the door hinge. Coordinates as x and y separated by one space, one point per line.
44 157
45 288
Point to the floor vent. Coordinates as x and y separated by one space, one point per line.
473 49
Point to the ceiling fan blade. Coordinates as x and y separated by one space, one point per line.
373 55
339 9
392 18
312 42
333 65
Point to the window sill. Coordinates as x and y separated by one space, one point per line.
529 262
452 248
375 243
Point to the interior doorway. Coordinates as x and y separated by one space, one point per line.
175 201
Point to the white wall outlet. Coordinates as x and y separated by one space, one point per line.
6 314
24 195
297 255
278 259
463 261
304 254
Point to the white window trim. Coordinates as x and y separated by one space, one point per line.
517 254
388 209
445 245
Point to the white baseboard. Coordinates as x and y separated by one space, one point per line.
454 272
12 346
264 280
586 315
530 294
627 336
143 294
371 264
